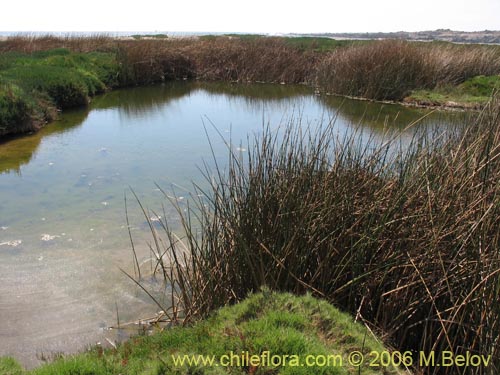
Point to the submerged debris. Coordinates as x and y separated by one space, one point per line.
155 219
14 243
48 237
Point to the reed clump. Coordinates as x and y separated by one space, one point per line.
381 70
214 59
407 242
151 61
391 69
454 64
30 43
252 60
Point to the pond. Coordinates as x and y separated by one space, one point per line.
63 231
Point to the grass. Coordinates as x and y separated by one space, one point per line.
39 75
9 366
473 93
405 240
15 109
33 87
279 323
391 70
317 44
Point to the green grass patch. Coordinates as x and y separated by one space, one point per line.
282 324
9 366
475 92
480 86
33 85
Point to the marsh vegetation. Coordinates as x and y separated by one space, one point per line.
402 234
407 241
31 91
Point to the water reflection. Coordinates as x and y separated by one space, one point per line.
139 101
20 150
381 116
258 98
61 195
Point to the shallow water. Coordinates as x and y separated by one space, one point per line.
63 233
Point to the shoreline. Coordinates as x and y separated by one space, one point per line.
33 125
414 103
41 76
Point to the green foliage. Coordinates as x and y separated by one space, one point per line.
65 86
317 44
52 52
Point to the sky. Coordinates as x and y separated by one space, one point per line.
256 16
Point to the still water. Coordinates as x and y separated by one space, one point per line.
63 234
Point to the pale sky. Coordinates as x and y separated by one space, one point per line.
264 16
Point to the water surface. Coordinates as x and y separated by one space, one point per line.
63 233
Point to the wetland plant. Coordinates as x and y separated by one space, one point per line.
406 241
